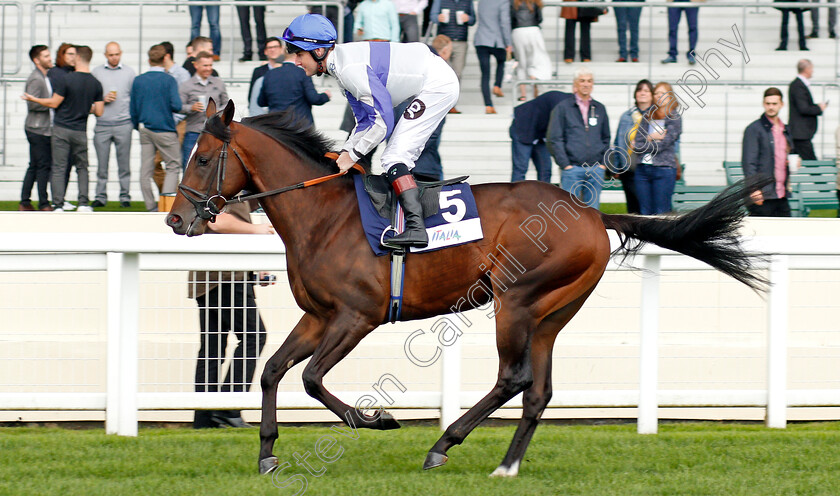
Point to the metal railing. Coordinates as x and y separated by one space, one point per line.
125 256
49 7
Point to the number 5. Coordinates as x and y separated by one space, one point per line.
446 202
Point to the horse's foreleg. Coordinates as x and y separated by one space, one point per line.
513 336
536 398
298 346
342 336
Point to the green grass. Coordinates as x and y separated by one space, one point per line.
695 458
111 206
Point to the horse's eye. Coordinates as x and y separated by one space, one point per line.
202 161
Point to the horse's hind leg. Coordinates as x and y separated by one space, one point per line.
298 346
513 336
536 398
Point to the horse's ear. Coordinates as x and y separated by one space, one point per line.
211 108
227 115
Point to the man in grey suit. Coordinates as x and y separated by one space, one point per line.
114 125
38 129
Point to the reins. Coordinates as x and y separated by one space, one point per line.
203 202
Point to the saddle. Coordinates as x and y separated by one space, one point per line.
385 200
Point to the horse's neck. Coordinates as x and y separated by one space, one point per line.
304 216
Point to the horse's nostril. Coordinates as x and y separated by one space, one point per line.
173 220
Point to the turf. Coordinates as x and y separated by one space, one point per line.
691 459
111 206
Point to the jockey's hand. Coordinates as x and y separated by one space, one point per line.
344 161
757 197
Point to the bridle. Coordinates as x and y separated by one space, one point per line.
204 204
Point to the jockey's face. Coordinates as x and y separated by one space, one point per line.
307 62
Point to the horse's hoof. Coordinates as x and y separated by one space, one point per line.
503 471
268 465
434 460
388 422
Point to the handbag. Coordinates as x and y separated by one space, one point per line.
589 12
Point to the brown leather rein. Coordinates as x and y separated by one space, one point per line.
203 202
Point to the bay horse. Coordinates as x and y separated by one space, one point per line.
559 249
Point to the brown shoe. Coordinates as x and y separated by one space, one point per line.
453 110
498 91
568 61
216 58
587 60
489 110
45 208
26 207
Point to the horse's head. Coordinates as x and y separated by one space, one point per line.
212 175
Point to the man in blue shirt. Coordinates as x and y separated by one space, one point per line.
154 97
288 87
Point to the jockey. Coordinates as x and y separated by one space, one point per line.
376 77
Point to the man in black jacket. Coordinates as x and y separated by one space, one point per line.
803 111
578 138
527 135
764 152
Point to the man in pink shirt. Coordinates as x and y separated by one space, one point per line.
765 150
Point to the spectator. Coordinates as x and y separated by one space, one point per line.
154 97
65 63
492 38
453 18
815 20
584 16
245 30
289 88
764 152
74 96
409 22
528 43
527 135
800 27
674 14
578 137
198 45
655 149
628 125
332 15
38 129
274 54
212 20
226 303
803 111
377 20
628 18
114 126
195 93
170 67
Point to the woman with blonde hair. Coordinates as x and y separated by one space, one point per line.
654 147
528 43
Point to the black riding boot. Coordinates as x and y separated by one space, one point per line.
415 229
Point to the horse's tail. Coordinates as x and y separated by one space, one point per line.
709 233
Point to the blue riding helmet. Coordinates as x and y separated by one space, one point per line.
310 31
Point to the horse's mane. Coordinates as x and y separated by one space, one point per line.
294 133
